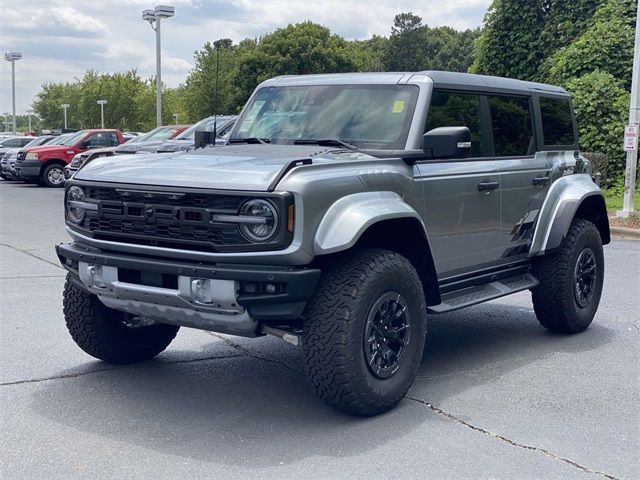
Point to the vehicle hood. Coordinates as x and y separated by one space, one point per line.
48 149
232 167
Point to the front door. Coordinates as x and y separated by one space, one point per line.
462 196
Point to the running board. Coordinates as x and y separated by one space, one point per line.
465 297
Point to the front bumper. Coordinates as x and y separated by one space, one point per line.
69 171
226 298
29 169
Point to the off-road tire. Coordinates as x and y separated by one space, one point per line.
333 330
554 300
44 177
101 332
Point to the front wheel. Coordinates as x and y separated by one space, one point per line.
53 175
364 331
104 333
571 280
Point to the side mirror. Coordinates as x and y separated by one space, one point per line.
447 142
85 144
204 136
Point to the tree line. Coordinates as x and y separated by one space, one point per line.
585 46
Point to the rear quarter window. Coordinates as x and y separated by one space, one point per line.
557 121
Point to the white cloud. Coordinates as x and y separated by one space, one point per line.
61 39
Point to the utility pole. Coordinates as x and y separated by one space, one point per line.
29 112
64 107
154 16
13 57
102 104
631 169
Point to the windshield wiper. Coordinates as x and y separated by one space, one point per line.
249 140
328 142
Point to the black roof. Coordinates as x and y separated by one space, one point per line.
470 81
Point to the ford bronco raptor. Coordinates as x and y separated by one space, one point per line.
343 210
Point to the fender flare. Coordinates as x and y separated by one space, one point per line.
560 207
350 216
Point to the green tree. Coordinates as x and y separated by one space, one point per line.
414 47
601 106
606 45
47 104
509 45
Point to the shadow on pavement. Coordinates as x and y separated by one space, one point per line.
244 410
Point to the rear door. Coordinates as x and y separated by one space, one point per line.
524 174
462 196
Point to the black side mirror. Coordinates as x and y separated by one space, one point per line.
447 142
204 136
85 144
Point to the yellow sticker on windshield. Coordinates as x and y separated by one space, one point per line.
398 106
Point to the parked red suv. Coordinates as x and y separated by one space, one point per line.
45 164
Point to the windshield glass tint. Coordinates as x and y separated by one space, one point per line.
367 116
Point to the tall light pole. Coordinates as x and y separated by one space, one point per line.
634 126
102 103
12 57
29 112
65 106
175 117
6 123
154 16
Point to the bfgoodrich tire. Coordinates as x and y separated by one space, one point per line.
571 280
364 331
102 333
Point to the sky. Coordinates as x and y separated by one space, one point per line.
61 39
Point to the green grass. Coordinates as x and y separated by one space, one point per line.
613 199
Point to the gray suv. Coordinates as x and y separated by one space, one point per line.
342 212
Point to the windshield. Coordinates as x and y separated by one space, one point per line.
367 116
72 139
190 133
159 133
37 142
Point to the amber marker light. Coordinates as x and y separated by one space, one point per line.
290 217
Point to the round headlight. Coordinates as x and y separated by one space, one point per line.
75 213
261 223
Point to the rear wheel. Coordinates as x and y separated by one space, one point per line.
571 280
106 334
364 331
53 175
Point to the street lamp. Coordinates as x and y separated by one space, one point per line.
6 124
29 112
12 57
65 106
102 103
175 117
154 16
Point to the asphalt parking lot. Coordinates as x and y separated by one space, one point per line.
497 397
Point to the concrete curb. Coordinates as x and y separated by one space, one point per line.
628 233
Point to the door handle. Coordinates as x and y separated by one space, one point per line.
487 186
541 180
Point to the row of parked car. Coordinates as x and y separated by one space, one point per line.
51 159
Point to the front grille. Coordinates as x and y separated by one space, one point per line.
21 156
168 219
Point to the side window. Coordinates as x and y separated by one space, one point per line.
97 140
511 125
452 109
12 143
24 141
557 122
112 139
